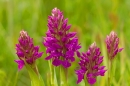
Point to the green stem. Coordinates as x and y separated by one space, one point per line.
109 72
52 76
63 75
85 80
36 69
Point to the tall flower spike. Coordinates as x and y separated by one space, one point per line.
90 65
59 42
26 51
112 42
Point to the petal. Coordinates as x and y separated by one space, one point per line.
78 54
36 48
84 54
71 34
101 72
66 64
91 80
20 64
64 39
99 62
20 54
80 74
55 45
48 57
30 60
39 54
72 59
101 68
56 62
67 27
101 57
95 67
69 54
88 52
119 50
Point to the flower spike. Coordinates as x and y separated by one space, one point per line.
112 42
90 65
26 51
61 45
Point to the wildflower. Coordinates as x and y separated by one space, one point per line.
26 51
112 42
59 42
90 65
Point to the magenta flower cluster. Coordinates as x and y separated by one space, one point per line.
26 51
60 44
112 42
90 65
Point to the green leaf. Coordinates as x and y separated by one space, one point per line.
36 80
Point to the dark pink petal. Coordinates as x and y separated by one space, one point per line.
56 62
99 62
84 54
64 39
95 57
71 34
36 48
101 67
56 45
30 60
95 67
78 47
66 64
101 57
88 53
101 72
78 54
39 54
20 54
48 57
119 50
91 81
69 54
67 27
89 75
80 74
65 21
72 59
20 64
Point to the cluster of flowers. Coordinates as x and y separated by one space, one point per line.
61 47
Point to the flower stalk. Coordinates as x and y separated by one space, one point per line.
90 65
112 42
28 54
61 45
63 78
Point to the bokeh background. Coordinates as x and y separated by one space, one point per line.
91 19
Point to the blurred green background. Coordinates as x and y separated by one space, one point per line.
91 19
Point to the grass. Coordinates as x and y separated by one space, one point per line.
92 19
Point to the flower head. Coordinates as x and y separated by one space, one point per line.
26 51
90 65
112 42
59 42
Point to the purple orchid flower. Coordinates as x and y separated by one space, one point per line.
90 65
26 51
112 42
60 44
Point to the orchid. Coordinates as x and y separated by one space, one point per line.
90 62
112 42
61 45
26 51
